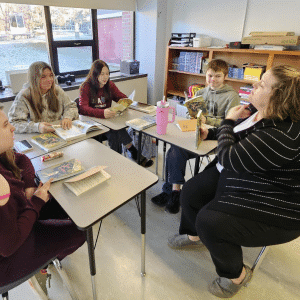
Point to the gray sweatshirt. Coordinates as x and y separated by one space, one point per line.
218 103
21 115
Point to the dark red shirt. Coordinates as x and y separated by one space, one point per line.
18 215
98 110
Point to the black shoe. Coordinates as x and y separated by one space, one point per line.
146 163
133 151
161 199
173 204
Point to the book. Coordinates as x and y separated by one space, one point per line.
148 109
61 171
87 180
141 123
121 105
79 129
187 125
198 131
48 141
194 105
270 47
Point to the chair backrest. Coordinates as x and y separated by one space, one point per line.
77 103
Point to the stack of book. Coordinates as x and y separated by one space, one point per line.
244 93
190 62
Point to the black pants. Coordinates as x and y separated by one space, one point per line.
223 234
117 138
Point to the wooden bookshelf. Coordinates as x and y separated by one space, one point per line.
177 82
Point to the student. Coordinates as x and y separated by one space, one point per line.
96 95
33 227
249 195
219 98
41 101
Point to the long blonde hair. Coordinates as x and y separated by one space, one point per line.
285 100
34 94
8 160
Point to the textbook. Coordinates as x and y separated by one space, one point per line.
87 180
79 129
60 171
48 141
198 132
148 109
187 125
121 105
141 123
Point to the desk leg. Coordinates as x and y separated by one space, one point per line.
143 231
164 160
156 161
139 148
196 170
91 251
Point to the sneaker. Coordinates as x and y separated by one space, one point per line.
224 288
161 199
180 241
173 204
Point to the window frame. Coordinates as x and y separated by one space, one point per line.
54 45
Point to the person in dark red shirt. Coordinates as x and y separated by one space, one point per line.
96 95
33 227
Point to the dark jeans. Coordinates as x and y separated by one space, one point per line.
176 160
51 236
223 234
117 138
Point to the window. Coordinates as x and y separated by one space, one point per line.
22 38
75 38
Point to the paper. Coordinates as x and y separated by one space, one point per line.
87 180
132 95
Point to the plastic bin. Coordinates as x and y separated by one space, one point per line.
201 42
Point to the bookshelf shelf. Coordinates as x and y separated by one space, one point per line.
176 82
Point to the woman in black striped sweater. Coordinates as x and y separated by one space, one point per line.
250 195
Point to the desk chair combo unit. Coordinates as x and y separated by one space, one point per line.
4 290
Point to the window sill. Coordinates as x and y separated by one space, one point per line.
7 94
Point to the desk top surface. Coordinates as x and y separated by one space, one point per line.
118 122
37 151
127 180
184 140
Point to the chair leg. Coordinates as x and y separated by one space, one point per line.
260 258
37 288
64 277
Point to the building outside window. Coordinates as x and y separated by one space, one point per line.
76 37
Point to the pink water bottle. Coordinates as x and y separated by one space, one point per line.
162 116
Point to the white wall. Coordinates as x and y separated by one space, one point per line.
146 23
219 19
273 15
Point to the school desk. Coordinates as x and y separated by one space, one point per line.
128 180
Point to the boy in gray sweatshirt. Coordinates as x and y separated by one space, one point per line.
219 98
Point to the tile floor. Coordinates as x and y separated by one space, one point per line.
170 274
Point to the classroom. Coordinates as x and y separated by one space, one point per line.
169 274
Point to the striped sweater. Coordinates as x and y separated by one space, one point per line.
261 176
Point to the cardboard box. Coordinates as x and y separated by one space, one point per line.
272 40
237 73
272 33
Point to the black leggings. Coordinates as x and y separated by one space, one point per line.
223 234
